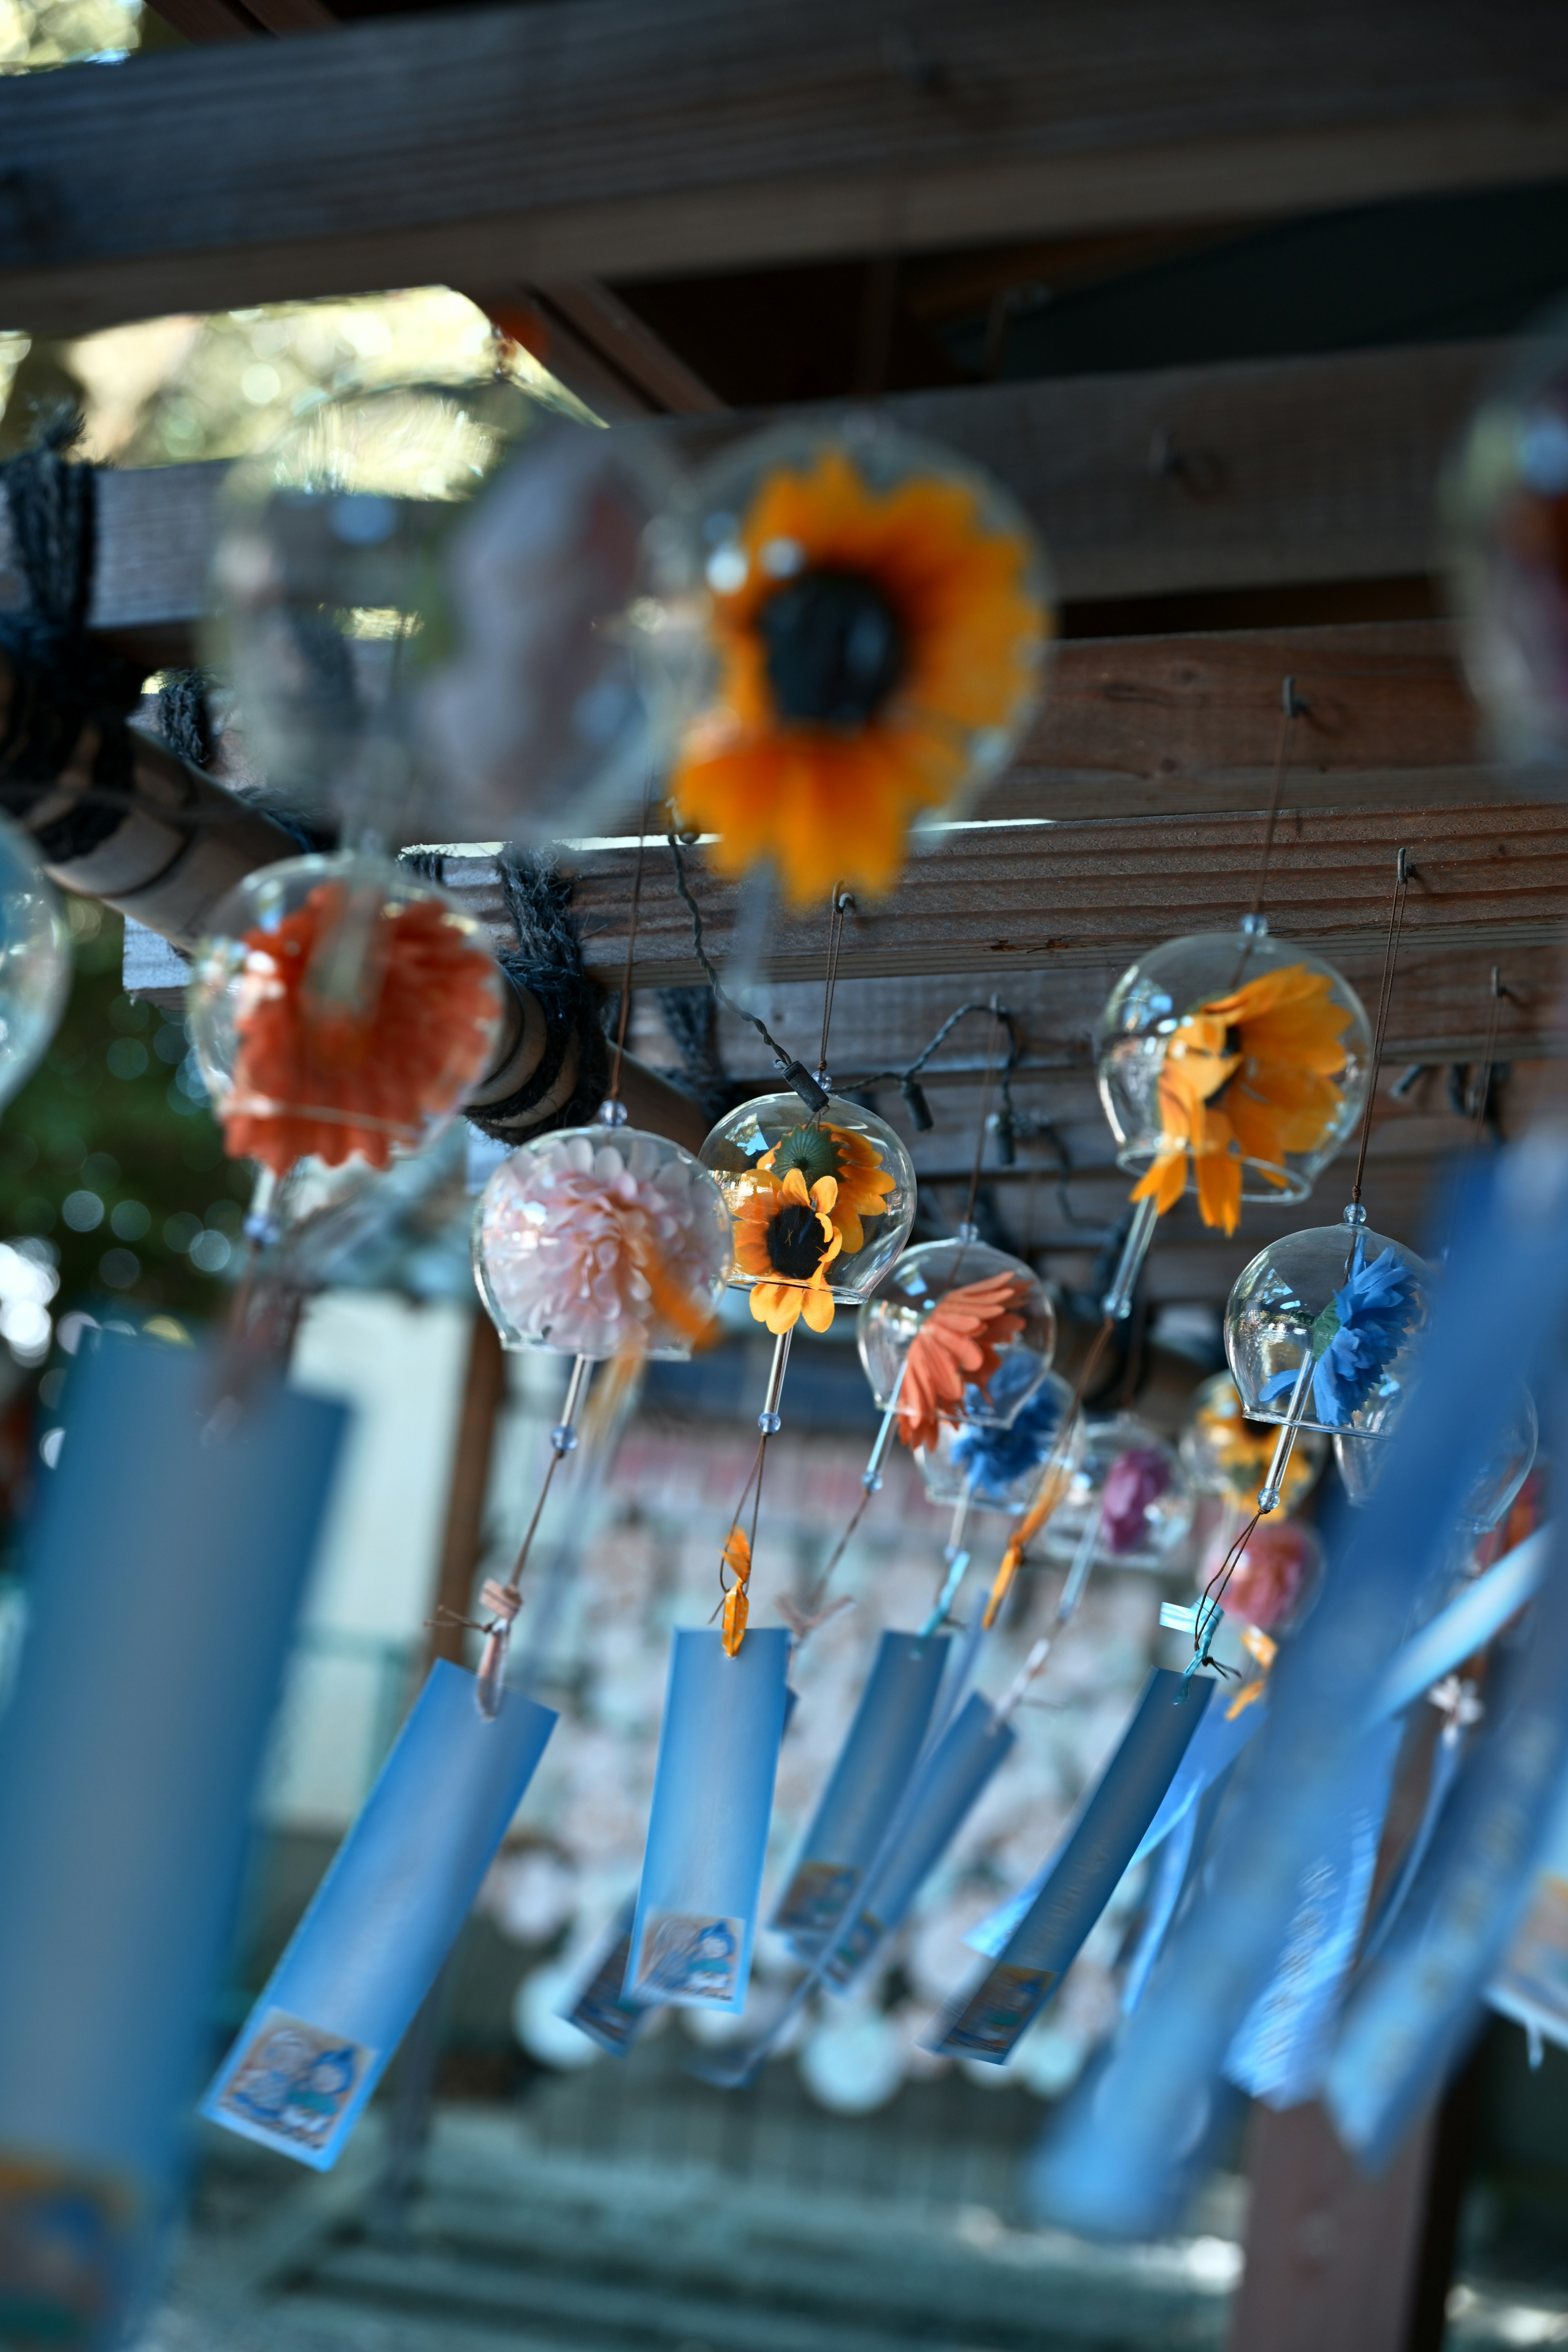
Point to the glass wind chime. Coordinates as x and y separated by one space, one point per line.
1231 1066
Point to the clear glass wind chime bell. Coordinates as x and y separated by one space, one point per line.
1230 1065
957 1346
820 1201
598 1243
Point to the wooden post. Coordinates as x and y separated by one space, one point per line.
463 1537
1331 2256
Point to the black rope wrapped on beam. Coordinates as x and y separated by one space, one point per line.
70 697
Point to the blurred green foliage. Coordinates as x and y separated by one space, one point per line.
110 1155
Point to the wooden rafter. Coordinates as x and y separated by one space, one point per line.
480 147
1243 475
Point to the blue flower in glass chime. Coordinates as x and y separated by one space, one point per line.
1356 1337
992 1459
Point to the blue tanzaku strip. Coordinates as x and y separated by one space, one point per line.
1414 2010
1470 1620
1176 1882
708 1832
1224 1732
987 2019
164 1572
948 1781
383 1921
1282 2045
599 2008
1113 2165
1176 1854
865 1788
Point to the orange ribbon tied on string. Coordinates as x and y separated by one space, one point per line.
737 1558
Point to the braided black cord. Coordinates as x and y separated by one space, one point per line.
548 962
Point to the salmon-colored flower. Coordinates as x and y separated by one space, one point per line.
785 1238
331 1081
957 1346
1246 1078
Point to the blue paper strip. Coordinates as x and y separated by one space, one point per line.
382 1922
599 2008
1116 2165
1469 1621
1178 1876
1414 2010
948 1781
707 1834
986 2020
867 1784
1447 1758
1283 2046
1224 1732
163 1574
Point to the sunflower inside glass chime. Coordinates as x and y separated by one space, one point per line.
877 617
820 1206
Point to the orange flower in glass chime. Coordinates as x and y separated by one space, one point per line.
957 1346
331 1072
1247 1079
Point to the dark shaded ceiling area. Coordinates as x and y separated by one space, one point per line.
1426 270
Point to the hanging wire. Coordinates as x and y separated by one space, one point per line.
1291 707
795 1073
841 904
907 1079
1403 873
991 1045
614 1095
1483 1096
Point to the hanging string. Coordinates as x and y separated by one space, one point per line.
841 904
614 1094
795 1073
1291 707
991 1044
1484 1096
1403 871
1048 1492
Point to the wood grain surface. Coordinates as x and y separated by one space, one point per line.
478 146
1318 470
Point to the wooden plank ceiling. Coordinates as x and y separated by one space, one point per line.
480 146
1215 528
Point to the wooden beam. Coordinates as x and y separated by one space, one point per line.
1017 895
1311 470
627 137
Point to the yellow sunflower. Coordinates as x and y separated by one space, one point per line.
1246 1078
875 645
861 1182
785 1236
